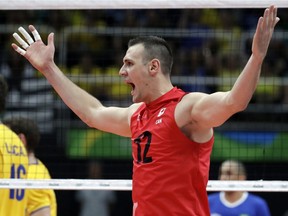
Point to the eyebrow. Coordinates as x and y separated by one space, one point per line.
125 60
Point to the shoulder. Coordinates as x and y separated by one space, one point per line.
213 196
256 199
38 171
133 108
183 111
8 135
214 200
193 95
259 204
189 100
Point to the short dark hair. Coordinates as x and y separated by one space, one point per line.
27 127
155 47
3 93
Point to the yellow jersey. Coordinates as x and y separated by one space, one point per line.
40 198
14 165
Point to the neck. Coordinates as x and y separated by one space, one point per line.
155 94
233 196
160 89
31 157
165 89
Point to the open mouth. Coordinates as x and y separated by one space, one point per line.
132 86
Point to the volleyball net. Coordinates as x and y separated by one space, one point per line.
211 42
126 185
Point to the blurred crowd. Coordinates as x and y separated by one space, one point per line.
210 48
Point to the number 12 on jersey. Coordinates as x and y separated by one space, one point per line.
142 157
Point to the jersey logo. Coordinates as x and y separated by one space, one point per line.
140 117
158 121
161 112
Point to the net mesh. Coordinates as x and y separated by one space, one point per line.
211 45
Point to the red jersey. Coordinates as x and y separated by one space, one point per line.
170 172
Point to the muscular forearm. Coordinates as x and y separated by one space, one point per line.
245 85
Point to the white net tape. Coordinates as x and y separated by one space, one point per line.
126 185
116 4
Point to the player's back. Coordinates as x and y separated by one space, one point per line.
14 165
40 198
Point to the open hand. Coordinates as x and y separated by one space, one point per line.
34 50
264 32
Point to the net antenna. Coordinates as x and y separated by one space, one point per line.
136 4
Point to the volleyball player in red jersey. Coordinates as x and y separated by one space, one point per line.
171 131
170 170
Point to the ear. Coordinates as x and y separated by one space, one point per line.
23 139
154 66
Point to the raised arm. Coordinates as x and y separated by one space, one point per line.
213 110
89 109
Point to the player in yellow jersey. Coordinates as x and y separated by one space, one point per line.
13 164
41 202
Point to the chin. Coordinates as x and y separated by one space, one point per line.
136 99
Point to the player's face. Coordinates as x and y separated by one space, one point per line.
229 171
135 73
